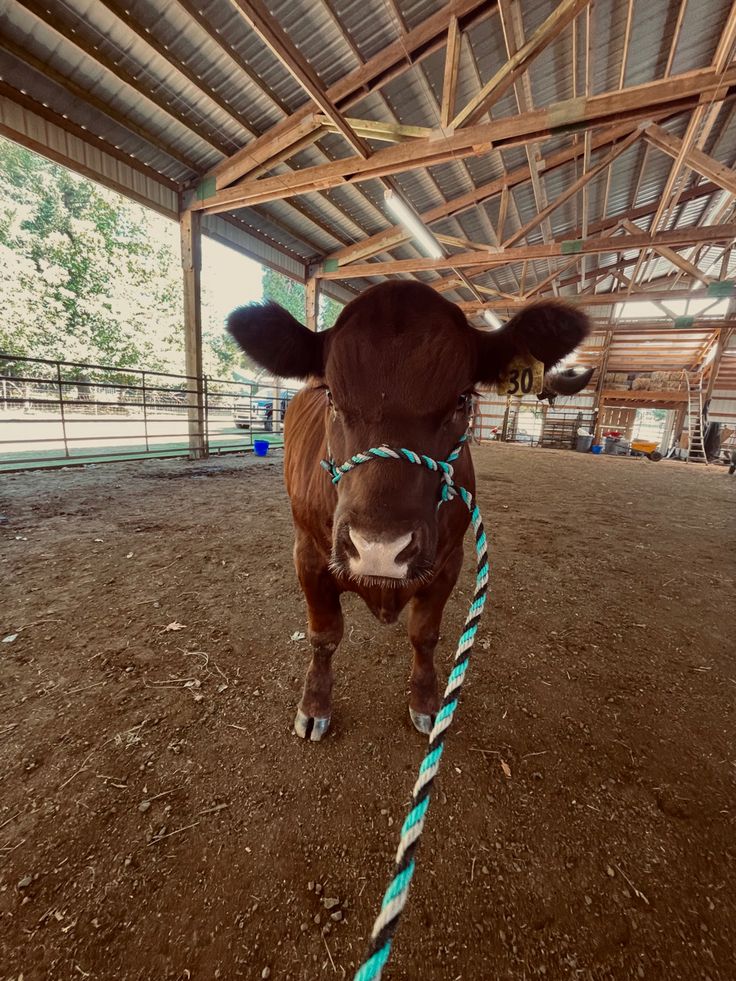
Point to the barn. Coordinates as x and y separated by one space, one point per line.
159 817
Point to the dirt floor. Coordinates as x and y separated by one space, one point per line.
159 820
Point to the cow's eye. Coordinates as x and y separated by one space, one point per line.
330 400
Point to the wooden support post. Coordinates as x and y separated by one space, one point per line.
312 303
190 223
598 401
678 425
721 345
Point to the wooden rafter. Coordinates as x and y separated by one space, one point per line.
417 44
671 256
278 43
621 80
491 92
641 101
501 256
452 63
380 131
594 299
513 32
573 188
695 159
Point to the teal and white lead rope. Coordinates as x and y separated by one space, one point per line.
396 895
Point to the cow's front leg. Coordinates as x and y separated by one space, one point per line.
325 633
425 619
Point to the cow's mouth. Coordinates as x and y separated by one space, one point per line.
414 577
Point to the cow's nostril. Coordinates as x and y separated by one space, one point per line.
350 548
411 549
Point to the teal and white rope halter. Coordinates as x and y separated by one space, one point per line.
396 895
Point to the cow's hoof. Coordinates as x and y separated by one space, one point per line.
422 722
309 727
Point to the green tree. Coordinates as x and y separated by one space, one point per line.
291 295
87 275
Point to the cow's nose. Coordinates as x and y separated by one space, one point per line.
385 558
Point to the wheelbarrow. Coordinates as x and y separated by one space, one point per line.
645 447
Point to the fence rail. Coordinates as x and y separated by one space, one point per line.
68 412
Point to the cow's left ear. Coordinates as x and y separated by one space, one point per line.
547 331
276 341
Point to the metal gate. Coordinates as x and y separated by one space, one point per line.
64 413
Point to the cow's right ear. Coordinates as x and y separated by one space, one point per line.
547 330
276 341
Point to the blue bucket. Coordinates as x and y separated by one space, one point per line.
260 447
597 449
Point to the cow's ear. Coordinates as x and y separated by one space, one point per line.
547 331
276 341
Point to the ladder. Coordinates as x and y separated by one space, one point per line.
695 445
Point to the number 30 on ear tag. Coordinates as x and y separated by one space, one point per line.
524 376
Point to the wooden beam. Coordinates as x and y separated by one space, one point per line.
724 335
564 12
671 256
393 236
501 256
385 132
621 80
383 241
277 41
636 103
452 62
512 23
594 299
312 303
642 395
602 368
191 260
573 188
417 44
698 161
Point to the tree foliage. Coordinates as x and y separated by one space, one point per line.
87 275
291 295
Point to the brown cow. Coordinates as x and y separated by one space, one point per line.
398 368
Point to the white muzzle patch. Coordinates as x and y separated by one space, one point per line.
377 558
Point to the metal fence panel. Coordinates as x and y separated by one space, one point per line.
64 413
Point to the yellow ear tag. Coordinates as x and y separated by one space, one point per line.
524 376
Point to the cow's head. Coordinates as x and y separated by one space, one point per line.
399 367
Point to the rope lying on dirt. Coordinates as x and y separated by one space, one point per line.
396 895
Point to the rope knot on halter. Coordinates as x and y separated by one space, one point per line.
396 895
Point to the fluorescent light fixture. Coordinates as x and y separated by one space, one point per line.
492 320
412 224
